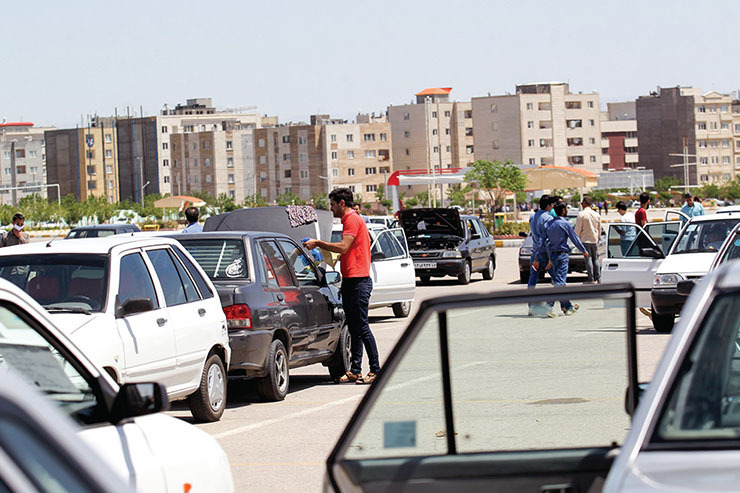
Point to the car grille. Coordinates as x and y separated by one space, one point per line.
425 254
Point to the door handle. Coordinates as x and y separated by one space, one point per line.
161 321
405 264
280 297
559 488
202 312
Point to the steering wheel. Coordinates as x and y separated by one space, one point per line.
83 299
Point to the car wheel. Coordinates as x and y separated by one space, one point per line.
402 309
464 278
424 279
207 404
523 277
663 323
488 273
341 361
274 385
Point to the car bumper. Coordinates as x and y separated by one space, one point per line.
442 267
249 351
576 263
667 301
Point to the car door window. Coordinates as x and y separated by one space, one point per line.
387 244
267 272
663 233
169 279
191 292
205 290
482 228
277 264
704 401
626 240
302 266
399 234
135 281
733 249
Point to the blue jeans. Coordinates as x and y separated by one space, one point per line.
535 274
356 300
559 273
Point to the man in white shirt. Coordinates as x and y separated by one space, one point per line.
628 234
588 229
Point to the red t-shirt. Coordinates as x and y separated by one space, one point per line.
355 262
641 216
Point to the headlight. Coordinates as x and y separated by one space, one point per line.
667 279
451 254
525 251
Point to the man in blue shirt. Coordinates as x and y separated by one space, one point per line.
691 208
191 214
556 242
537 224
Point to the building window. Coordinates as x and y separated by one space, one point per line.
723 109
575 141
370 171
702 144
405 116
174 165
448 148
494 126
434 114
206 145
286 156
704 177
286 139
407 133
207 162
530 124
108 138
712 125
434 131
7 171
447 131
408 152
532 161
350 137
334 172
108 153
725 143
371 188
368 137
164 129
166 179
21 170
592 159
287 173
334 155
530 143
261 143
468 131
302 139
436 149
351 188
703 160
304 173
165 162
88 154
468 149
530 106
229 162
302 157
572 105
370 154
468 113
21 153
575 159
701 125
333 138
228 145
726 160
591 123
590 104
383 137
591 140
350 172
725 125
350 154
573 123
230 179
195 162
165 146
263 159
493 108
208 179
447 114
495 144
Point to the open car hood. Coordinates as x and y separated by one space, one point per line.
437 221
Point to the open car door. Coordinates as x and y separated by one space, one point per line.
632 255
469 400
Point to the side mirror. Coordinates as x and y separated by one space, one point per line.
474 236
641 388
139 399
332 277
133 305
651 252
684 288
523 234
377 256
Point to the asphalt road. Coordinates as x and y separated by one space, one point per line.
283 446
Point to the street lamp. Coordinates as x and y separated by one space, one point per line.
142 193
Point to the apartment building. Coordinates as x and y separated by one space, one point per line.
432 133
619 149
22 161
83 160
706 125
541 124
137 159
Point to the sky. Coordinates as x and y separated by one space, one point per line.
64 60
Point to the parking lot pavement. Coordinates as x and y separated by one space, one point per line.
282 446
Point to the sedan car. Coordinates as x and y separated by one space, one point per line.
101 230
140 307
283 311
144 447
443 243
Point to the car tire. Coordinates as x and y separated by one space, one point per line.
424 279
274 385
402 309
488 272
341 360
207 404
523 277
464 278
663 323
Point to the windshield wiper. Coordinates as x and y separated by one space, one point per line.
67 309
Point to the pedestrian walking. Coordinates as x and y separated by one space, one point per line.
641 214
16 236
601 206
588 229
627 234
354 250
557 233
606 207
192 214
537 224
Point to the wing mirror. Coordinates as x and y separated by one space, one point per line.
684 288
377 256
139 399
332 277
651 252
641 388
133 305
523 234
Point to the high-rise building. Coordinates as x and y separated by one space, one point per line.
619 137
542 124
22 161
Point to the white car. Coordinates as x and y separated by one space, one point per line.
140 308
386 221
148 450
392 270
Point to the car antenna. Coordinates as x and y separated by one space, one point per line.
54 238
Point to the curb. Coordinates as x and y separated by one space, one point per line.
509 243
60 233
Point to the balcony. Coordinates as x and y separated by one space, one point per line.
630 142
604 143
632 158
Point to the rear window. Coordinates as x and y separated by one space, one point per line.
219 258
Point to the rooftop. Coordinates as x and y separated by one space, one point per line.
434 91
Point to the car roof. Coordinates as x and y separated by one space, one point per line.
103 226
85 245
225 234
724 215
728 209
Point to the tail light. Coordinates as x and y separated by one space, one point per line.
238 316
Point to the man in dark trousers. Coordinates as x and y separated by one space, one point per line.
356 283
556 242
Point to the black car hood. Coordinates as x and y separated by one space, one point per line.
437 221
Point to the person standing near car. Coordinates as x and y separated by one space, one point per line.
588 229
16 236
557 234
537 224
354 250
627 234
691 208
192 214
641 214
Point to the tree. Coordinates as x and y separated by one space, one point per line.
71 209
320 201
731 190
496 178
456 194
380 195
289 198
255 200
422 198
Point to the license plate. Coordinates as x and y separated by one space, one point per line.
425 265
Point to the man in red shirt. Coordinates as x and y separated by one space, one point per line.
354 250
641 214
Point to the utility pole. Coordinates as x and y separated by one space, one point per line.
685 165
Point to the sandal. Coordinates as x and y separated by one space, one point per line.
369 378
348 377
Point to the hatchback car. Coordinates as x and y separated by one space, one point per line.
139 307
443 243
101 230
283 311
146 448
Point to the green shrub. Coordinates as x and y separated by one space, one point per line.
509 228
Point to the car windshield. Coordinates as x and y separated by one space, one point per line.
72 282
219 258
704 236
